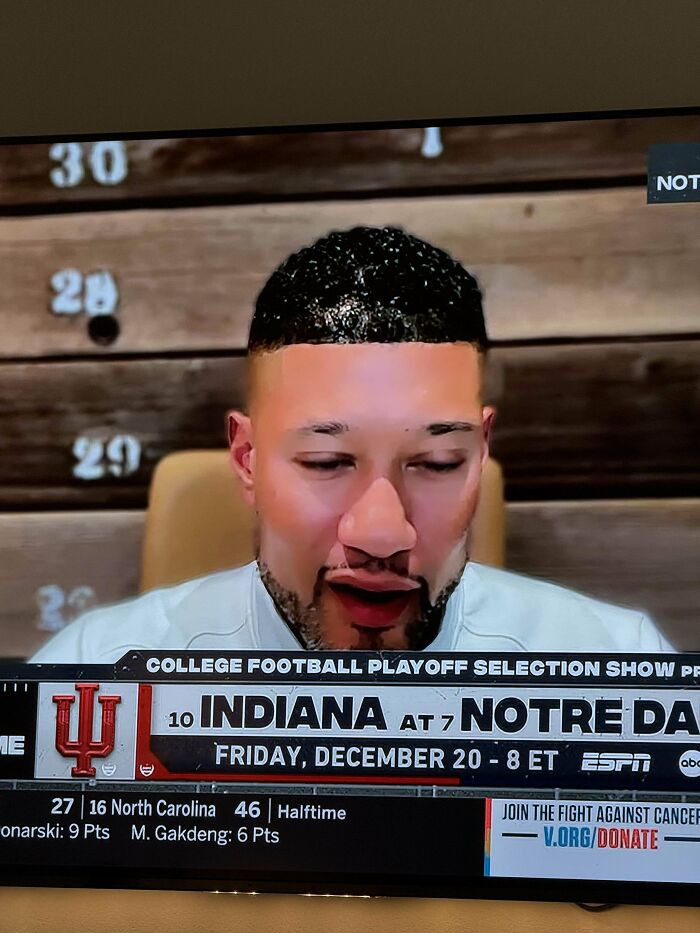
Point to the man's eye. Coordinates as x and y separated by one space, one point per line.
326 466
339 463
437 467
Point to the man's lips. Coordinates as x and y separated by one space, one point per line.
375 582
372 600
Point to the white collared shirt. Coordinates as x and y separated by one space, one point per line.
490 610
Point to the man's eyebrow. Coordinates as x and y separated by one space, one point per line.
333 428
447 427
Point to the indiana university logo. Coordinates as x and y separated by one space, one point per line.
85 746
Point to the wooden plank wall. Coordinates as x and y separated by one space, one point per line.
129 270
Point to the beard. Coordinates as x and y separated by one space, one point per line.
306 620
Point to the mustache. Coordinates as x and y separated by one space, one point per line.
396 564
415 582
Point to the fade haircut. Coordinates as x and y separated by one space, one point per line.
368 285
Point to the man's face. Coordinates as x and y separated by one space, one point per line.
363 463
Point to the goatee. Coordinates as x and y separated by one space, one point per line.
306 622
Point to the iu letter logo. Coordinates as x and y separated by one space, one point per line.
85 746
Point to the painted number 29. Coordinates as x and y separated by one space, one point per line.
107 163
118 456
95 293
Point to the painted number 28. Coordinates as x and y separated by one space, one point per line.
57 608
95 293
107 163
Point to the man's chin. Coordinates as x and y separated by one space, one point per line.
359 638
392 638
343 633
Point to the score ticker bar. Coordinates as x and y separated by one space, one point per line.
243 765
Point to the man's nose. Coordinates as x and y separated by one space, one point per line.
377 523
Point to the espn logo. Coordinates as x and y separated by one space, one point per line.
616 761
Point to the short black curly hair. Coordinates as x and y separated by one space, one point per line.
368 285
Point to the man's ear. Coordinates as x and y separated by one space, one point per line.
488 418
242 452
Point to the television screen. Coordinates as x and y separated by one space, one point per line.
349 518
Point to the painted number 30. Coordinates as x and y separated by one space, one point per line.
118 456
107 163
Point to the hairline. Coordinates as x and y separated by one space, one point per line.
256 353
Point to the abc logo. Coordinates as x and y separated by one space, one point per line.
689 763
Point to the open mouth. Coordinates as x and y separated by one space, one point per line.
372 608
